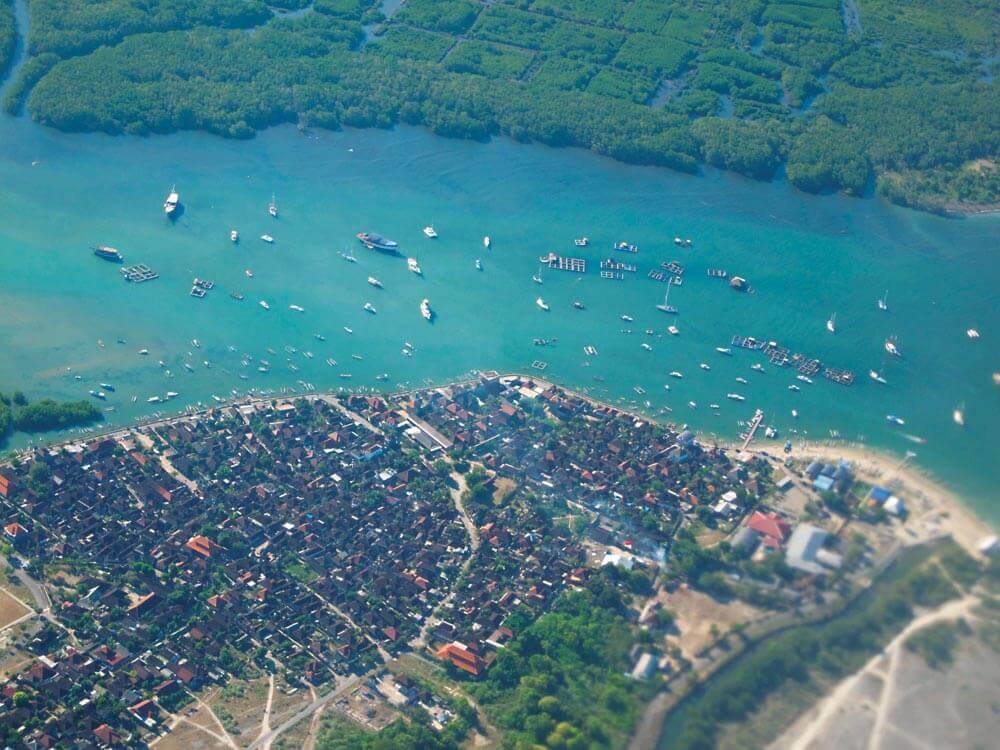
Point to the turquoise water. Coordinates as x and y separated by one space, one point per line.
806 256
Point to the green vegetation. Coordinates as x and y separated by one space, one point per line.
17 414
903 101
8 35
561 683
936 643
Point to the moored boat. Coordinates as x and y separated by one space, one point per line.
106 252
425 309
375 282
541 303
414 266
374 241
172 203
234 236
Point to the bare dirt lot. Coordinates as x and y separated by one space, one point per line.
695 613
10 609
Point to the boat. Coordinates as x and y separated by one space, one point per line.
736 397
626 318
590 350
757 366
795 413
874 375
890 346
578 305
704 366
172 394
272 207
831 324
348 256
972 333
479 265
724 350
106 252
741 380
98 394
144 352
267 238
412 265
883 303
369 307
673 330
357 357
646 346
265 305
804 378
234 236
107 387
541 303
425 309
794 387
249 273
236 296
895 420
348 329
664 307
958 415
714 406
537 278
331 361
675 374
297 308
377 242
375 282
682 242
383 377
430 232
153 400
581 241
625 247
345 376
487 242
172 202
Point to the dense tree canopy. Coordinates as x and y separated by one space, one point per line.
900 95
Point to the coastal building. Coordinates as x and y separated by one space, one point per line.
806 551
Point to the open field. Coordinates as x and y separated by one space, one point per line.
11 609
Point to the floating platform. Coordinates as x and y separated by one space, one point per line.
613 265
138 273
673 266
625 247
658 276
539 365
616 275
717 273
199 292
781 356
559 263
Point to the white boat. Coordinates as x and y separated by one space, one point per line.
704 366
411 263
144 352
890 346
794 387
714 406
234 236
267 238
272 207
537 278
675 374
369 307
541 303
98 394
172 394
297 308
673 330
375 282
172 202
895 420
972 333
741 380
795 413
425 309
430 232
958 415
196 343
581 241
479 265
249 273
153 400
265 305
646 346
831 324
724 350
487 241
874 375
757 366
348 329
664 307
804 378
626 318
693 404
349 257
736 397
883 303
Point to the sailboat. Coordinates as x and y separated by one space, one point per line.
882 301
537 278
665 307
831 324
272 207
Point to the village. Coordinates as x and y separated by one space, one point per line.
304 548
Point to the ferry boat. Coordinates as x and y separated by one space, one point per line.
412 265
487 242
425 309
664 307
673 330
736 397
541 303
430 232
106 252
297 308
895 420
479 265
272 207
890 346
578 305
265 305
581 241
171 204
375 282
234 236
831 324
267 238
369 307
724 350
377 242
349 257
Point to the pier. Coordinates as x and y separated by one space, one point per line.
758 417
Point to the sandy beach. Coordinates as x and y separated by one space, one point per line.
933 508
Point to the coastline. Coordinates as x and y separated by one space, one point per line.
934 509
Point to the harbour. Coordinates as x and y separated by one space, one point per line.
62 295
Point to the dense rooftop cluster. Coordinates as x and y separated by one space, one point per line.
325 537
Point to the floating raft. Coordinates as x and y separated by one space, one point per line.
673 266
626 247
559 263
613 265
539 364
616 275
717 273
781 356
138 273
658 276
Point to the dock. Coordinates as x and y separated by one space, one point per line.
758 417
138 273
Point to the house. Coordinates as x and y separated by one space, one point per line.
645 667
805 550
771 527
459 656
